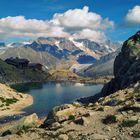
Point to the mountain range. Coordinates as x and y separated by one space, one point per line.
54 52
102 67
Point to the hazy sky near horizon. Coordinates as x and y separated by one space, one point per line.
97 20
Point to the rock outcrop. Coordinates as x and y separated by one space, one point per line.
126 66
24 123
66 112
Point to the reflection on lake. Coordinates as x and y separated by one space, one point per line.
51 94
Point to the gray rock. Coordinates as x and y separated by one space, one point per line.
24 123
134 118
56 125
77 104
107 128
63 137
130 111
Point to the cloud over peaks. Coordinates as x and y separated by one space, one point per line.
80 19
79 23
133 16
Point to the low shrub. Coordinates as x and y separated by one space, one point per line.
129 123
109 119
71 117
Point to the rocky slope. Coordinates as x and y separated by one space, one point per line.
11 102
126 65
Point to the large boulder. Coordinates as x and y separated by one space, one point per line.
64 113
23 124
126 66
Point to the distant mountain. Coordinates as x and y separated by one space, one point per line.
18 44
56 52
63 47
102 67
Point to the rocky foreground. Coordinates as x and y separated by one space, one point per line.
11 102
114 117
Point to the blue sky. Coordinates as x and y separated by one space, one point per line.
44 10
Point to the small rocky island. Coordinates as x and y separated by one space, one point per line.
114 116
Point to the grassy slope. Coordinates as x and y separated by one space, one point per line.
9 73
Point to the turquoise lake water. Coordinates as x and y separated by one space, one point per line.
51 94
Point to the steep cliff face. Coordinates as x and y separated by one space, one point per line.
126 66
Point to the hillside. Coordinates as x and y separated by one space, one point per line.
10 74
62 75
34 56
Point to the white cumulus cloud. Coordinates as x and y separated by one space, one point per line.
79 23
133 16
90 34
80 19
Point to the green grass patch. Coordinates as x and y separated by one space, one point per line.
129 123
9 101
71 117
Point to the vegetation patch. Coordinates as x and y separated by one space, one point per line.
136 134
8 132
22 130
128 108
129 123
109 119
71 117
100 109
121 102
9 101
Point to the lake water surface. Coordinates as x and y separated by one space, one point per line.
51 94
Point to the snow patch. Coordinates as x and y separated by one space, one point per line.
57 44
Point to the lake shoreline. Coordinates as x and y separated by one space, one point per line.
13 102
70 98
98 80
84 81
